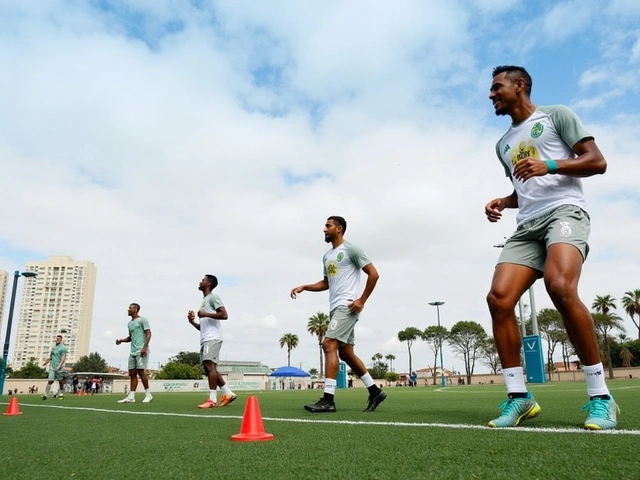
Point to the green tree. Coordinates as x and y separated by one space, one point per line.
552 331
392 377
378 366
605 323
489 355
409 335
431 335
188 358
291 341
317 325
31 370
179 371
466 339
390 358
91 363
631 305
313 372
604 304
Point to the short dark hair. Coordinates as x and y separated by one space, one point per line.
59 336
514 73
340 221
212 280
137 306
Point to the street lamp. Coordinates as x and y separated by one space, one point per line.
7 337
437 305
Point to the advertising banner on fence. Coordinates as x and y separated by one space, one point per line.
201 385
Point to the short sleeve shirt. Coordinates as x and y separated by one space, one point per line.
343 268
57 352
137 327
549 133
210 328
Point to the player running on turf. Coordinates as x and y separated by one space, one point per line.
56 361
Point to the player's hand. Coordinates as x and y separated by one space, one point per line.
356 306
143 352
294 292
525 169
202 313
494 208
118 341
191 315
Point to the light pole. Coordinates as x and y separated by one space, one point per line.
7 337
437 305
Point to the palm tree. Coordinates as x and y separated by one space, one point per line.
409 335
604 303
604 323
317 325
390 358
631 305
291 341
377 357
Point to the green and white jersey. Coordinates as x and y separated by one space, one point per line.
57 352
343 268
137 327
549 133
210 328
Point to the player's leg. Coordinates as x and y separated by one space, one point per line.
331 364
376 395
227 395
133 381
51 378
141 367
509 282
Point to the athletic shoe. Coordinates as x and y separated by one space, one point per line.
208 404
320 406
55 395
147 398
44 397
515 411
61 396
374 401
603 414
227 399
127 400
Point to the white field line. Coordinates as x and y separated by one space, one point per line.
458 426
478 389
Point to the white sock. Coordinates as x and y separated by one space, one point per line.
132 394
367 380
514 380
330 386
147 391
226 390
47 389
594 374
213 395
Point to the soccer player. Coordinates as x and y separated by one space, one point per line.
544 153
343 267
139 337
211 313
56 361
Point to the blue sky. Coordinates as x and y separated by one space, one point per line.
167 139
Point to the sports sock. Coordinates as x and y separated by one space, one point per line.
514 380
47 389
226 390
596 386
213 395
329 388
367 380
147 391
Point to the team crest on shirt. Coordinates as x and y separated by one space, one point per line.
340 256
332 269
536 130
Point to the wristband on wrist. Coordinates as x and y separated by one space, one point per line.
552 166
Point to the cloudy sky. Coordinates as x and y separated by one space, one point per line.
165 139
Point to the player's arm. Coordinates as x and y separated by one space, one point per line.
46 362
372 279
320 286
191 316
62 360
147 339
123 340
219 314
493 209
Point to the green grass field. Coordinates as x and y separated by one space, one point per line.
416 433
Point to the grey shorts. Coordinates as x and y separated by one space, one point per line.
342 323
56 374
138 362
210 350
528 245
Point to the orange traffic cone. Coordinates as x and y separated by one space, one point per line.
252 429
13 407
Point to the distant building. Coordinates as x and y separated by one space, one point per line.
59 300
4 279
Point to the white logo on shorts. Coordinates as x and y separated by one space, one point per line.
333 324
565 229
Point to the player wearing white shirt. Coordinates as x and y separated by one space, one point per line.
545 152
342 272
211 313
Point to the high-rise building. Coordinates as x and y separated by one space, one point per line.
4 276
58 301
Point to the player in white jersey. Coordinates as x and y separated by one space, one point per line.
545 152
343 267
211 313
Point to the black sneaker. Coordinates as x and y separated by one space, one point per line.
321 406
374 401
44 397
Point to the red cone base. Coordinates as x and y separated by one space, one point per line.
252 429
13 407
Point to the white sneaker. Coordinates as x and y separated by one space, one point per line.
127 400
147 398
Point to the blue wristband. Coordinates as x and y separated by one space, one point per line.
551 165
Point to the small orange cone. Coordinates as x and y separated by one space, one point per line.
252 429
13 407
